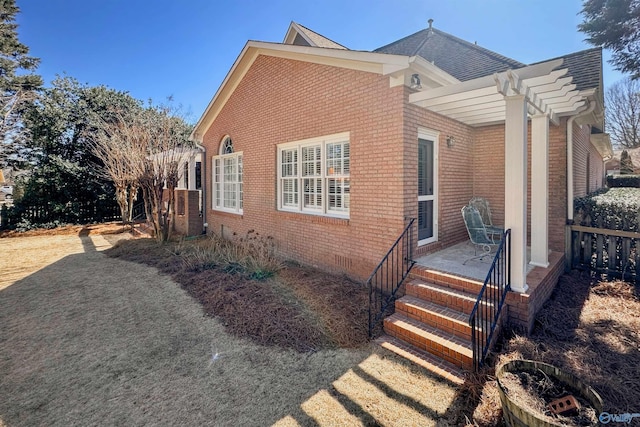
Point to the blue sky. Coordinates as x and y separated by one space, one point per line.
184 48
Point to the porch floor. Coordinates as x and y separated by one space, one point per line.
450 260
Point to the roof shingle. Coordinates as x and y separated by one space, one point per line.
584 66
467 61
461 59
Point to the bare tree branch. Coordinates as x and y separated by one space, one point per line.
623 113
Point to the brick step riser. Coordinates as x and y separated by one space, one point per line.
430 346
445 300
435 320
448 281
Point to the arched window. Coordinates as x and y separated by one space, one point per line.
227 178
226 146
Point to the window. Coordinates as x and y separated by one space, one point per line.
198 172
185 176
314 176
227 179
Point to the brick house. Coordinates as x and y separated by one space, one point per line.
330 151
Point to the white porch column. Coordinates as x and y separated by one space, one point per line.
515 187
191 185
540 190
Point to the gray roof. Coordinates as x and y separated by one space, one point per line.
461 59
319 39
467 61
585 67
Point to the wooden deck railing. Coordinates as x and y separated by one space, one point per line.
612 252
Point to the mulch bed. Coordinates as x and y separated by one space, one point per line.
299 308
592 330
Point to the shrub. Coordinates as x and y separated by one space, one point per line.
614 208
616 181
251 254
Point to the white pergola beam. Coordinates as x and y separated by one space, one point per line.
468 86
462 107
540 69
472 102
565 82
550 78
494 118
569 108
566 98
481 101
429 101
479 113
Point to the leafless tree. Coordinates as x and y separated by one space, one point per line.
623 113
117 144
146 150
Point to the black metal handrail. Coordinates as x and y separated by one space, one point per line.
387 277
486 312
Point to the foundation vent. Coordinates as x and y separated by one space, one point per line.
343 261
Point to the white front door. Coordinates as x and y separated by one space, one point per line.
427 189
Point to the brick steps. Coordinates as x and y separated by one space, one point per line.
432 314
449 280
442 295
430 325
422 358
448 347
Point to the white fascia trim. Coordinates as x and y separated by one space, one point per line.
379 63
422 66
198 131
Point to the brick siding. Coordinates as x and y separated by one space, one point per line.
282 100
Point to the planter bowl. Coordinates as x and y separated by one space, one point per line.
517 416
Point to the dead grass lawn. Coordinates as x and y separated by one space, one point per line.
86 339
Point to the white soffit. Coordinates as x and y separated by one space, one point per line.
481 101
602 142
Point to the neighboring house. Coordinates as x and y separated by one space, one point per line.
330 151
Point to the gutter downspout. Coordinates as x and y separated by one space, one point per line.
591 106
203 177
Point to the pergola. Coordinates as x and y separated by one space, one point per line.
538 91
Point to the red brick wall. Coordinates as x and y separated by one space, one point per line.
455 172
488 176
281 100
187 219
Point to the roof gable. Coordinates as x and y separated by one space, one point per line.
461 59
303 36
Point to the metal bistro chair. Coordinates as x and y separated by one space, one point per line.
482 205
478 233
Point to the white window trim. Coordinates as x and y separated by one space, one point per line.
239 209
432 135
322 141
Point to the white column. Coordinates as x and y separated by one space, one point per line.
515 187
192 173
540 190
